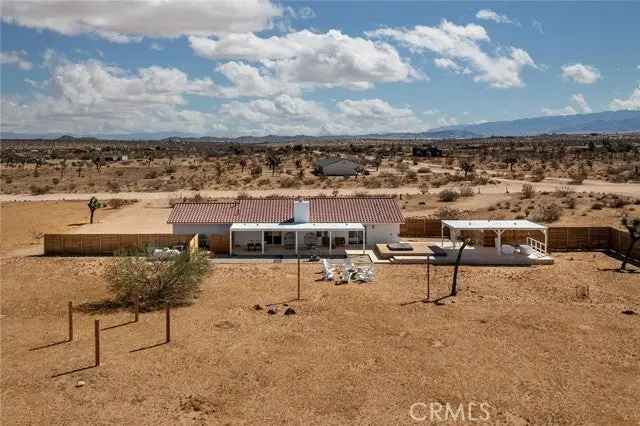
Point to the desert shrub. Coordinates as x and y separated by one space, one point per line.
393 181
8 180
571 203
577 176
256 170
424 170
528 191
538 174
119 173
170 170
151 174
481 180
116 203
597 206
447 212
55 181
448 195
616 202
288 182
39 190
466 191
423 188
372 182
243 195
546 213
175 280
262 182
562 192
411 176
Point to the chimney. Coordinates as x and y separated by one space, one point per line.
301 211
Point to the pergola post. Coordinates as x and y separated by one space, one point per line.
364 238
442 233
262 241
545 240
499 242
230 241
296 232
330 243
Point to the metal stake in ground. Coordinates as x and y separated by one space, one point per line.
96 326
137 312
70 321
298 278
167 310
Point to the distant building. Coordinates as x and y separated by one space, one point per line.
426 151
337 167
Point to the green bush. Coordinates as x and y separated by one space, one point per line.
175 280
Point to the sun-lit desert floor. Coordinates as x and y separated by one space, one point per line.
519 339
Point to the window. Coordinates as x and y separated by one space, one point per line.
355 237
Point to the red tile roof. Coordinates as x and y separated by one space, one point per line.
278 210
204 213
358 210
265 210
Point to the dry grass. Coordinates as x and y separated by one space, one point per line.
518 338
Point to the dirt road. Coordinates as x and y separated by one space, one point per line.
549 184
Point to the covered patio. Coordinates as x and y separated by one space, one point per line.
498 227
282 239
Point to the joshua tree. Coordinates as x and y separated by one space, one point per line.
511 161
94 205
633 226
243 165
467 168
63 166
454 285
273 162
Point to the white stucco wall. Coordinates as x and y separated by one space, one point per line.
217 229
381 233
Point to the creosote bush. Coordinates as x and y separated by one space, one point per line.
175 280
448 195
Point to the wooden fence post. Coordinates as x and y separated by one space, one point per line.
137 312
70 321
96 326
167 310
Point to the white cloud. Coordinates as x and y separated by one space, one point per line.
306 12
580 73
330 59
156 46
372 109
142 18
463 43
17 58
451 65
632 102
577 105
490 15
250 81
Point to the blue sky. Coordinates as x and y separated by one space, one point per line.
262 67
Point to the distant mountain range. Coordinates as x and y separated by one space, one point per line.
600 122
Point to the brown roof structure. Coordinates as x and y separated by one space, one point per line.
204 213
280 210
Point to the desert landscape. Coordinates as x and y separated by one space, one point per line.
279 212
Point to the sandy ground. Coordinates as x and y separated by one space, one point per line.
23 224
518 339
144 217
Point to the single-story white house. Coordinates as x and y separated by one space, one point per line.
282 226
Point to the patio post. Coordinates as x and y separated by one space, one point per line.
330 242
442 234
262 241
545 240
364 237
296 232
230 241
499 242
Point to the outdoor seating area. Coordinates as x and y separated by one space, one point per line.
345 271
